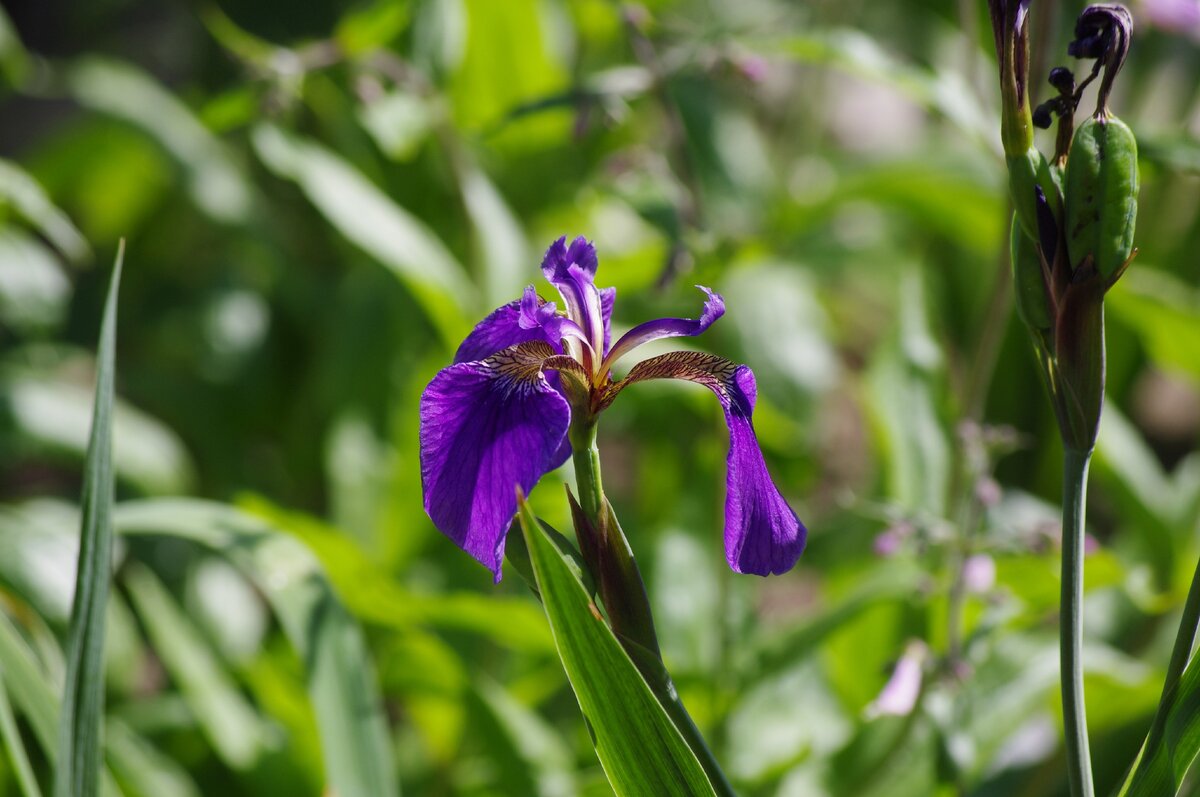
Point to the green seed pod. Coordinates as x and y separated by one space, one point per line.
1101 194
1025 173
1033 304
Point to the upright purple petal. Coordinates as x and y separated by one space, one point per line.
488 427
560 257
608 299
572 270
507 326
763 536
714 308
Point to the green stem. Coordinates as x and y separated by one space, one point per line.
604 547
623 593
586 458
1079 766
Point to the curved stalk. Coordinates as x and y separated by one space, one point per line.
1074 507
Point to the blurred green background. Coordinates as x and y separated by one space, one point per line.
319 199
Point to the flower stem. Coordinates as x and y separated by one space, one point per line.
586 457
1079 766
623 593
604 547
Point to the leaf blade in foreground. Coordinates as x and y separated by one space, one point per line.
641 750
82 714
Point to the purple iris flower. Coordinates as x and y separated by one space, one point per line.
497 419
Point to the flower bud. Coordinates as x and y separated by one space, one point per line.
1009 25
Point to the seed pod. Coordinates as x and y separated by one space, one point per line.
1101 194
1033 303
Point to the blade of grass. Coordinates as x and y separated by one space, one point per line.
144 770
1174 737
79 744
16 748
32 693
341 683
230 723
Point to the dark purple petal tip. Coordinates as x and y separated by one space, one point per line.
714 308
557 262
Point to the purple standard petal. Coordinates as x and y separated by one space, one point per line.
507 326
560 257
538 314
763 536
714 308
572 270
608 299
487 428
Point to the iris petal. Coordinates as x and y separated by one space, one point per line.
714 308
572 270
488 427
763 536
608 298
506 326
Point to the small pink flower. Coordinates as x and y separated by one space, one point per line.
979 573
899 695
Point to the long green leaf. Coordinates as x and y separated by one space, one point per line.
23 193
341 683
374 597
125 91
32 693
641 750
144 771
366 216
231 725
1160 771
15 746
78 772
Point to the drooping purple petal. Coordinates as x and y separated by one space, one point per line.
763 536
507 326
714 308
488 427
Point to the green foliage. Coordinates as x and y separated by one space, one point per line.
82 713
321 199
1162 766
640 747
